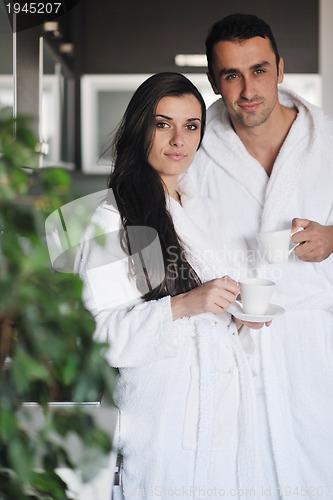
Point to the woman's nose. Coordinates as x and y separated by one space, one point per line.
177 138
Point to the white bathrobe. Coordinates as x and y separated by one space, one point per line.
294 357
185 391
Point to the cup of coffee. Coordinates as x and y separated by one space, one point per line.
275 246
256 294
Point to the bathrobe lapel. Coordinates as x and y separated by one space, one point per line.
293 163
227 150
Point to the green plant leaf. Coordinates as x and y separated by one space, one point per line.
21 459
49 483
8 425
48 350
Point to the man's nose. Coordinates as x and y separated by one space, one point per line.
248 90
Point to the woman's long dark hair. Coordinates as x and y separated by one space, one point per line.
139 190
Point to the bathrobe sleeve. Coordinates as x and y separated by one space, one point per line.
136 332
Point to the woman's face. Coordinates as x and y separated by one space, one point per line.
176 137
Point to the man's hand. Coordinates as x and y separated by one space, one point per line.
315 242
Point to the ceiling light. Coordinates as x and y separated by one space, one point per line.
197 60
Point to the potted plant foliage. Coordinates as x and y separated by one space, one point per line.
47 349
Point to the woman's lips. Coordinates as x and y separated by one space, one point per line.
175 156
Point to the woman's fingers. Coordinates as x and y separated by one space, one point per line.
212 296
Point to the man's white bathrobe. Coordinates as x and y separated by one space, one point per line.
185 391
294 357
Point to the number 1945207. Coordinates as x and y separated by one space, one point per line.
33 8
307 491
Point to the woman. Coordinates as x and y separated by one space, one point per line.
158 286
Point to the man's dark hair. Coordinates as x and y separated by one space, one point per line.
237 27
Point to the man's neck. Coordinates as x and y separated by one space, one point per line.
265 141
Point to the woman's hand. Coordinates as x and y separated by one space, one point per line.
213 296
249 324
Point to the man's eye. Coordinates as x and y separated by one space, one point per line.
231 77
259 71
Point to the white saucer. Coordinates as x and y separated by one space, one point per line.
273 310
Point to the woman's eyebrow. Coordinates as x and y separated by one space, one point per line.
170 118
163 116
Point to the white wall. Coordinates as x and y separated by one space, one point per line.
326 53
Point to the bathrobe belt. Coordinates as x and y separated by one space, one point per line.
207 334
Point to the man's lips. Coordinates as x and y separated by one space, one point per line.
249 106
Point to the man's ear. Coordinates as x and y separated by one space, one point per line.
281 70
212 82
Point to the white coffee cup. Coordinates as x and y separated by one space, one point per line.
275 246
256 294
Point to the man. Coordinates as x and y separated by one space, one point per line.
267 158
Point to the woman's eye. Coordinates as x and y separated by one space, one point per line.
191 126
161 125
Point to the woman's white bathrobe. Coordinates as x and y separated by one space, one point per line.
294 357
185 390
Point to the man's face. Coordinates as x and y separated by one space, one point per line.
246 76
